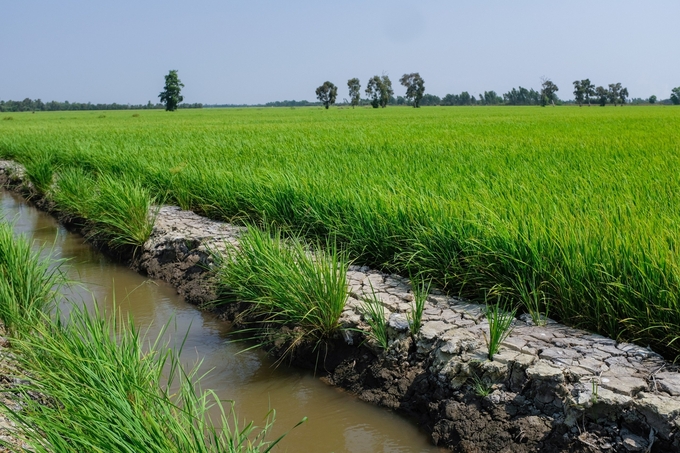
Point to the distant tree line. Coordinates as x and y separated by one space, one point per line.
378 90
586 92
292 103
379 93
36 105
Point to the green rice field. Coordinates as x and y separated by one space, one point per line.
573 212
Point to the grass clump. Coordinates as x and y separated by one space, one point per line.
122 211
116 209
287 283
533 299
500 325
27 284
74 192
40 171
481 387
374 315
421 290
105 394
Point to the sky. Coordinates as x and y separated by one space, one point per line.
256 51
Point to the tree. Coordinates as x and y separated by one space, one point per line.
430 99
652 99
588 90
548 90
579 92
386 91
354 86
675 96
327 93
522 96
171 96
602 95
379 91
490 98
613 93
623 94
373 91
415 87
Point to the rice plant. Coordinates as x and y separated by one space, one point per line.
40 171
533 299
122 211
101 392
287 283
421 290
500 326
374 315
74 193
27 283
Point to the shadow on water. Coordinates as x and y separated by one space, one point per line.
337 422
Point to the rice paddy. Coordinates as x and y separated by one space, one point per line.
569 211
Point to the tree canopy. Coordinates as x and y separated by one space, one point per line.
675 96
170 96
354 86
522 96
415 87
379 91
327 94
584 90
548 90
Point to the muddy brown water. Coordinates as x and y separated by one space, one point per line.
337 422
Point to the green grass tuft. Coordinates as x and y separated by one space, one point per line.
287 283
40 171
27 283
421 290
118 210
104 394
374 315
500 326
122 211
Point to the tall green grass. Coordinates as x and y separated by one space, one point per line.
93 386
579 209
287 283
104 394
40 171
27 284
374 315
116 209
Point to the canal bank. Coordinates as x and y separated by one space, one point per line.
550 388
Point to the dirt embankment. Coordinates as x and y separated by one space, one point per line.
550 388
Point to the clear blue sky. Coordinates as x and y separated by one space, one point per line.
257 51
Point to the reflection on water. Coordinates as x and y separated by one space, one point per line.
336 423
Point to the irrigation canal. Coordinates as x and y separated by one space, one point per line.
337 422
